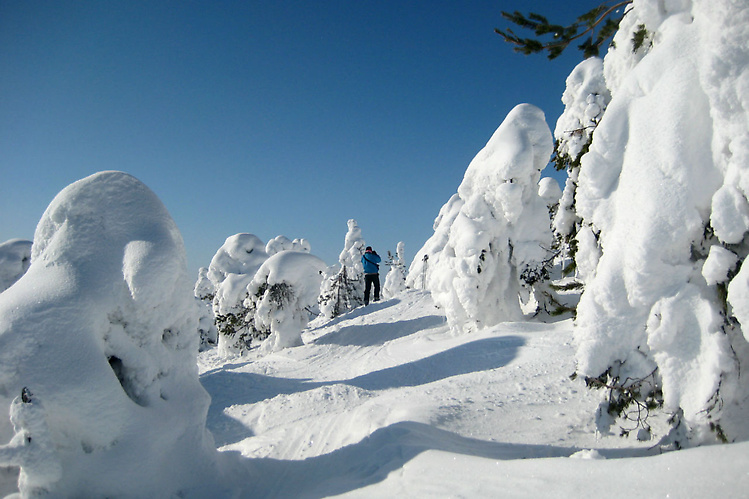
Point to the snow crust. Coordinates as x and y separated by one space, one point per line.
385 402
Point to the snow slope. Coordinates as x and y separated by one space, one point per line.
385 402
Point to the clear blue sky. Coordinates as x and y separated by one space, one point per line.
269 117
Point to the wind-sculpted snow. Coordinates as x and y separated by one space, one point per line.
495 228
102 331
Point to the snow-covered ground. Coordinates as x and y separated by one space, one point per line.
386 402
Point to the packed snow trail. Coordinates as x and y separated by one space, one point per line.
387 389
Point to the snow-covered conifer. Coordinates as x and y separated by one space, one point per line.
231 271
491 240
282 294
395 280
283 243
342 288
662 197
204 292
585 99
15 258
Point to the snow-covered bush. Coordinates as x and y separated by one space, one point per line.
231 271
15 258
236 297
342 288
492 238
662 195
395 280
102 329
282 295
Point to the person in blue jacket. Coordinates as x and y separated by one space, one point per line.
370 260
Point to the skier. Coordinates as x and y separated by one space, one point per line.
369 261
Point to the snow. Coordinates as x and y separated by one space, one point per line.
442 389
496 227
382 401
101 331
385 402
15 258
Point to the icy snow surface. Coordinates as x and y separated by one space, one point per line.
385 402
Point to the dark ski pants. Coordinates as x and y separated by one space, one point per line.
370 279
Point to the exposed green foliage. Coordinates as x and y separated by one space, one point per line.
639 37
594 27
629 400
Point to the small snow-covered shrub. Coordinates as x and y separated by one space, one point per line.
395 280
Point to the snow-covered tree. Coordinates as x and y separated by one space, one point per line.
282 295
235 300
15 258
283 243
395 280
342 288
492 238
231 271
585 98
204 292
98 348
664 217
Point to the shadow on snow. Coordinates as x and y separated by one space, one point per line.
388 449
377 334
229 387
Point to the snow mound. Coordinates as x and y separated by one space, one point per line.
102 331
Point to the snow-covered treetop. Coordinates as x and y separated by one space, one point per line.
585 98
15 258
353 247
241 254
283 243
517 151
